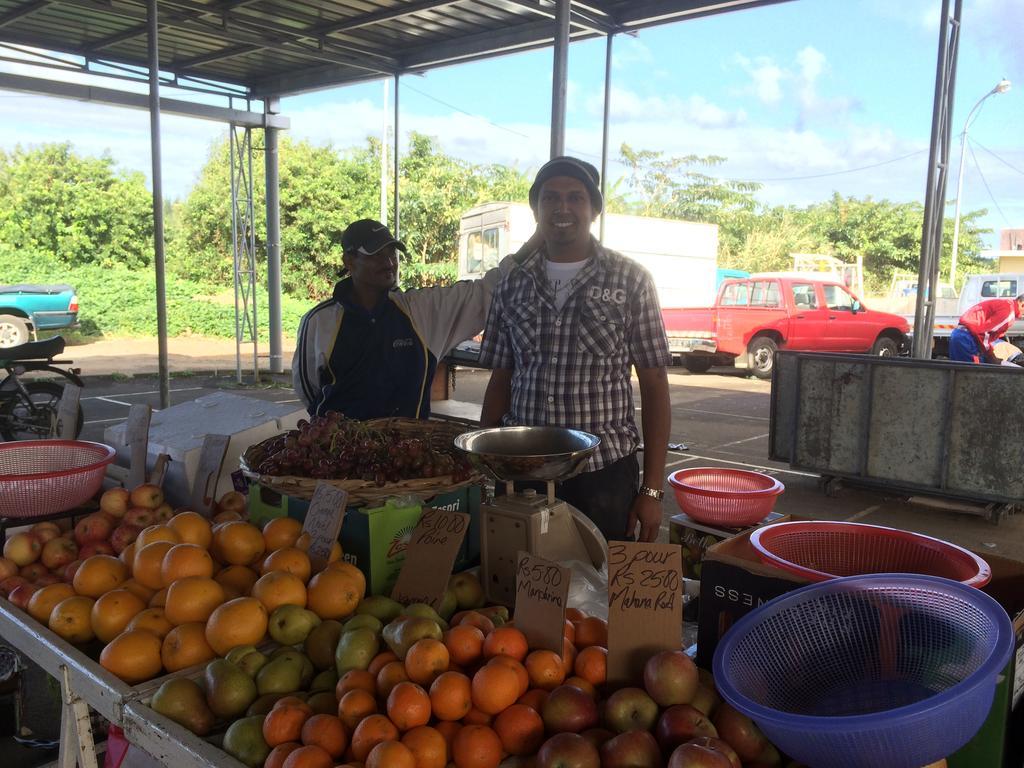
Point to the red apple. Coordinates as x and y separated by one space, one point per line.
632 749
33 571
770 757
671 677
48 578
115 502
59 552
740 732
21 595
568 750
7 568
11 583
143 517
23 548
228 516
681 723
95 548
723 747
124 535
568 709
45 531
163 513
630 709
93 528
147 495
69 571
232 501
697 756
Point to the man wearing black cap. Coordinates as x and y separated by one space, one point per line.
371 350
567 325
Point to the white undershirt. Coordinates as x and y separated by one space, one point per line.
561 276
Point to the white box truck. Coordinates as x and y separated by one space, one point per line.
682 256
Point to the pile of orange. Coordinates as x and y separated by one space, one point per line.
470 699
192 589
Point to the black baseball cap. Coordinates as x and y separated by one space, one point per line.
573 168
368 236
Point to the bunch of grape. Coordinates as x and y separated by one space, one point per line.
331 447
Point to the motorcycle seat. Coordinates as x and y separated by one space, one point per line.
34 350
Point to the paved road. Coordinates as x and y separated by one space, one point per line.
721 417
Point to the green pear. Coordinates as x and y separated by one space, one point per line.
229 690
265 703
498 614
364 620
324 681
244 741
282 674
323 703
248 658
401 633
356 650
469 593
321 642
449 605
381 606
182 701
425 611
291 624
308 670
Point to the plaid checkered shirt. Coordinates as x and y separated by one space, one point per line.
572 368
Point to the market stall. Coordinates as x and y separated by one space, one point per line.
375 608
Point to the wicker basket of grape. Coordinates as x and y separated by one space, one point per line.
372 460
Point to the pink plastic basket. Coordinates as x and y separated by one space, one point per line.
43 477
822 550
727 497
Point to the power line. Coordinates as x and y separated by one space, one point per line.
649 167
985 182
997 157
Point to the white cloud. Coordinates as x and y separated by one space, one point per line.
766 77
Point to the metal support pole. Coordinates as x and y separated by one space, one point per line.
272 183
559 77
604 125
384 159
938 164
158 202
395 151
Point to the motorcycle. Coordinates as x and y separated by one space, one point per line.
28 409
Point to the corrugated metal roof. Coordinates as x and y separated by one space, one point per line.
278 47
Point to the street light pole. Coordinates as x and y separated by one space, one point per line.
1001 87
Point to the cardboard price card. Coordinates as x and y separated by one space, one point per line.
429 557
323 522
542 589
645 605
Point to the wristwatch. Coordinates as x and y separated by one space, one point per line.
646 490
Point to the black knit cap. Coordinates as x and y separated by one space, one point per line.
573 168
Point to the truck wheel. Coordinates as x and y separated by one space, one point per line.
761 356
697 363
13 331
885 347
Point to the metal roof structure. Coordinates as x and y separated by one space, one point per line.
272 48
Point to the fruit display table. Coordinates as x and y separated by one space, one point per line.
84 684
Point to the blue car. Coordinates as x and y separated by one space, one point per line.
25 310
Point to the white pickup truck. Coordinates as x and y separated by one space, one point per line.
977 288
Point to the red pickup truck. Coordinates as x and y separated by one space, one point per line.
755 316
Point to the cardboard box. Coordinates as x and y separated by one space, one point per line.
179 431
374 539
736 581
696 538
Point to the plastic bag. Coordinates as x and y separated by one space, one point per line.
588 589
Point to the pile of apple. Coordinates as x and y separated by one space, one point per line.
46 554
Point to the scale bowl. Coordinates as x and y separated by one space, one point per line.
528 453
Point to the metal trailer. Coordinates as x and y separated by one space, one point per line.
84 684
929 427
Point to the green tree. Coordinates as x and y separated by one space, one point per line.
80 209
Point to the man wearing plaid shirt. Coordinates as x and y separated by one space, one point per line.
565 329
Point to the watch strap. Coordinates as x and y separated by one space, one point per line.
654 493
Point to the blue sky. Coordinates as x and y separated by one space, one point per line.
807 97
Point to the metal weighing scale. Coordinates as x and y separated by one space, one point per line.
530 521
